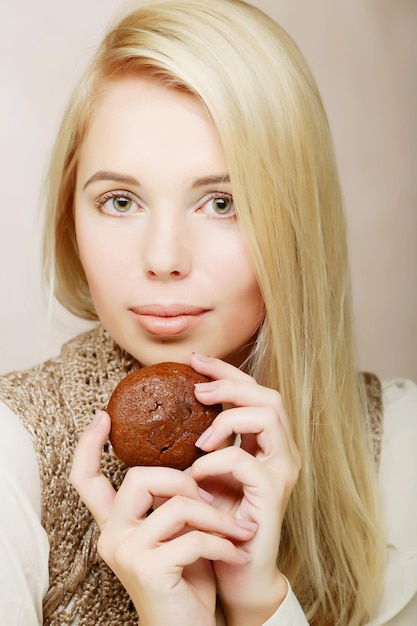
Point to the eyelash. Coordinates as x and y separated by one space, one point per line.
109 195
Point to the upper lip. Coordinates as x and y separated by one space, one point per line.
168 310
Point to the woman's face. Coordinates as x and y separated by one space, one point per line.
158 238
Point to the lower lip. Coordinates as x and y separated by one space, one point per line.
168 326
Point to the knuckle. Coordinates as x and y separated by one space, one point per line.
195 538
271 416
235 454
292 473
227 387
134 473
135 478
179 505
120 557
277 400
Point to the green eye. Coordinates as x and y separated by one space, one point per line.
222 206
122 204
118 202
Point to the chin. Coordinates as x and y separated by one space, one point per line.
163 352
180 350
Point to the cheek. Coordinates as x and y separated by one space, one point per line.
96 252
241 287
251 293
254 305
237 265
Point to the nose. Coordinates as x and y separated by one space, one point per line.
167 253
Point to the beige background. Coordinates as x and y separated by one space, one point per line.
364 56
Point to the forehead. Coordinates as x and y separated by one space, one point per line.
144 98
139 123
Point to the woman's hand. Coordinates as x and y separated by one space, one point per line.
253 482
164 560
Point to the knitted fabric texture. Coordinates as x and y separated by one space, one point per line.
56 401
373 402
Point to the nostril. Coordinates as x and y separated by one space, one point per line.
161 275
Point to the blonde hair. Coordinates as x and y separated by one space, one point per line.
259 92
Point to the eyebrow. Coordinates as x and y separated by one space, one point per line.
211 180
107 175
130 180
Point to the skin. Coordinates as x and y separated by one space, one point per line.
215 528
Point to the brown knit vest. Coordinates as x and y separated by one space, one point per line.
56 401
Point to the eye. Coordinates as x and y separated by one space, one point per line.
219 205
118 203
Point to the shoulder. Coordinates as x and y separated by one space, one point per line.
399 398
18 460
24 545
399 439
398 467
399 393
398 485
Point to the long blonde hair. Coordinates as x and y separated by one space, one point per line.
261 96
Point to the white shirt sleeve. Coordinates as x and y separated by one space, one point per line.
398 480
24 546
289 613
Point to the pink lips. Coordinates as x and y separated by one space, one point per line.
168 320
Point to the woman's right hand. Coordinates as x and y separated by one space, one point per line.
162 559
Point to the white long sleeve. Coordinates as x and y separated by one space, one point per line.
23 542
398 481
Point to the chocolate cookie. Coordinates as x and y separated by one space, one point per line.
156 418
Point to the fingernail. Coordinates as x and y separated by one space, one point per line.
204 437
96 419
247 525
206 387
202 357
206 496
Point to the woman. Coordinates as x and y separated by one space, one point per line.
195 209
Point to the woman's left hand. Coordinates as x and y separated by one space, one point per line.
253 482
164 560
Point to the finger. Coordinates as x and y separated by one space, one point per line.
262 422
256 478
142 485
93 487
243 467
216 368
182 513
188 548
239 393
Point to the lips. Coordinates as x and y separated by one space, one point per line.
168 320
